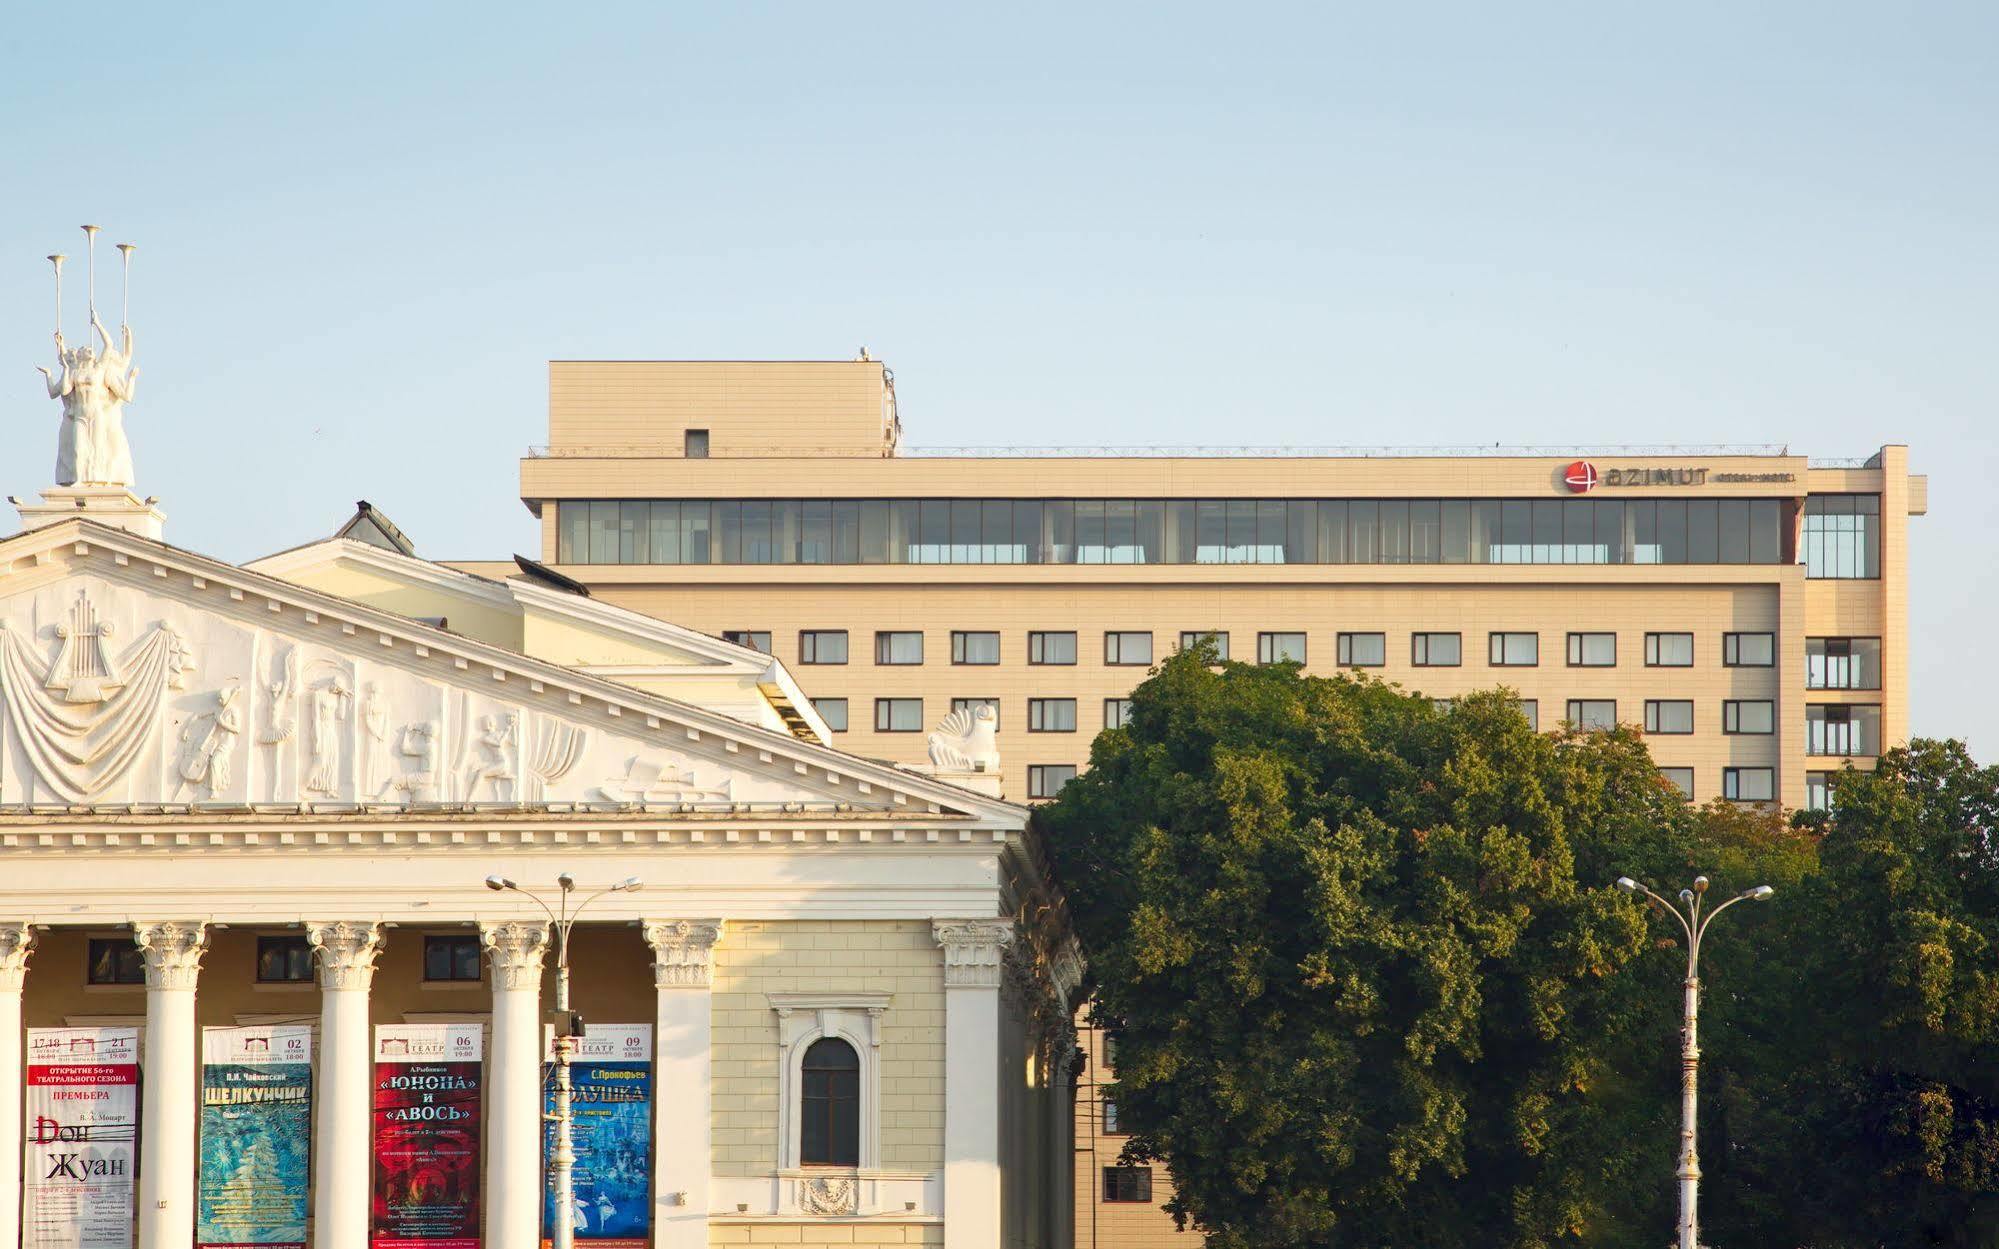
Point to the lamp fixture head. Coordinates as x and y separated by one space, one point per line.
1761 893
498 883
630 884
567 882
1629 885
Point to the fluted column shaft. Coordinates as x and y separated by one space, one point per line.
514 949
170 1098
17 942
973 954
342 1124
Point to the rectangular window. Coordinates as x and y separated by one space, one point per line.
755 639
1280 648
1748 650
1842 729
1672 715
1748 716
451 958
1843 663
694 444
973 704
1051 648
1669 650
1749 784
1217 638
899 647
974 648
898 715
1593 714
1842 536
1127 648
1361 650
1592 650
1111 1127
822 646
1818 791
1681 779
1436 650
115 960
1117 712
1127 1184
833 711
1531 709
1045 780
1051 715
283 960
1514 650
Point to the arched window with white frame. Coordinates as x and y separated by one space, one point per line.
829 1093
829 1079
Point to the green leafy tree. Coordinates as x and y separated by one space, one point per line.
1360 957
1858 1086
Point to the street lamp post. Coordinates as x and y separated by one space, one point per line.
1695 924
562 1159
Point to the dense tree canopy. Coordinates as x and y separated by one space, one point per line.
1370 986
1361 957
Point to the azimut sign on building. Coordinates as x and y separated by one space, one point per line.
1582 476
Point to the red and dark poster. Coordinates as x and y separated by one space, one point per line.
427 1087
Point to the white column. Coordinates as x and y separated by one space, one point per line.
973 950
342 1120
171 1091
17 942
513 1085
683 975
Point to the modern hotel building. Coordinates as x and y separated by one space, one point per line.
1746 606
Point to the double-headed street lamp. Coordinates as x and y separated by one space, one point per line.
1695 924
562 1160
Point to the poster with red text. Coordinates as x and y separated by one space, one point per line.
82 1120
427 1085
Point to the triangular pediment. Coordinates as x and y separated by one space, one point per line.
136 674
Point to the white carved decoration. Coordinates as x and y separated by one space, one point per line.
173 950
495 765
683 952
304 707
514 948
973 950
558 747
85 719
967 740
829 1194
209 742
346 950
804 1017
646 779
17 942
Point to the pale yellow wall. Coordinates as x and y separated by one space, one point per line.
465 614
816 1235
750 408
754 960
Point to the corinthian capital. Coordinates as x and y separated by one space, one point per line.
17 942
973 949
346 950
514 947
173 950
683 952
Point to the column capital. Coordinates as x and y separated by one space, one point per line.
173 950
345 950
683 952
973 949
514 947
17 942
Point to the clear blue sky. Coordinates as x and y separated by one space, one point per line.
364 228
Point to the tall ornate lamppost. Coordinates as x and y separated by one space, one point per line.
562 1159
1694 923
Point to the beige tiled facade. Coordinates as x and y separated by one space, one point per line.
1123 1223
828 431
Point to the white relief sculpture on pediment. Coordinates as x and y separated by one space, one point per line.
495 762
374 736
326 711
558 746
280 718
647 780
209 743
416 751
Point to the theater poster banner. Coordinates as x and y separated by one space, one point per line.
82 1118
427 1084
256 1136
610 1074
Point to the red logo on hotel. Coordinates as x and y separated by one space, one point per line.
1580 476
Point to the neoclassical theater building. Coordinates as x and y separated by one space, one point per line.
246 809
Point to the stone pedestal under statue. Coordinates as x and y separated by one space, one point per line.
116 506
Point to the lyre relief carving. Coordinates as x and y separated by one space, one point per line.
83 670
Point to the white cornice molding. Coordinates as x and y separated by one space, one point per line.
558 688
